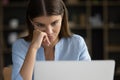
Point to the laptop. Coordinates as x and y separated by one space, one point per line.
74 70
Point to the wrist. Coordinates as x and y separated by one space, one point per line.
33 47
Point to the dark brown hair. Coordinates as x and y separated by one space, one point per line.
37 8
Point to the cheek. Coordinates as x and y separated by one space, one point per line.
57 29
42 29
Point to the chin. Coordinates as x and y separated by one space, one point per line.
52 40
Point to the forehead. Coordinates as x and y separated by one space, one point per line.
44 19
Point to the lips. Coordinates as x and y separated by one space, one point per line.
50 38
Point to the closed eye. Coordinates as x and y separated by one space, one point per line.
54 23
40 25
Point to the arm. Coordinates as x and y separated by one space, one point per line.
19 59
28 65
23 68
84 53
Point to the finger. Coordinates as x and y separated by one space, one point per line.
35 27
38 30
46 40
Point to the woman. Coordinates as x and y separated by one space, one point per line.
49 39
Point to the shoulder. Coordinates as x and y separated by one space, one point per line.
20 47
20 44
76 39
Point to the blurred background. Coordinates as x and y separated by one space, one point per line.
98 21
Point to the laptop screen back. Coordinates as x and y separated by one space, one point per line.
74 70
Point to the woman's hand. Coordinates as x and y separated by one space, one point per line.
39 38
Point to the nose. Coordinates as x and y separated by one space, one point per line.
49 30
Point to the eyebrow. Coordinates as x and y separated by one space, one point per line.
55 21
44 24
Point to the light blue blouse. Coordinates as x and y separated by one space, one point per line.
73 48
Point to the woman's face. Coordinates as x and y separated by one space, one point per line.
51 25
